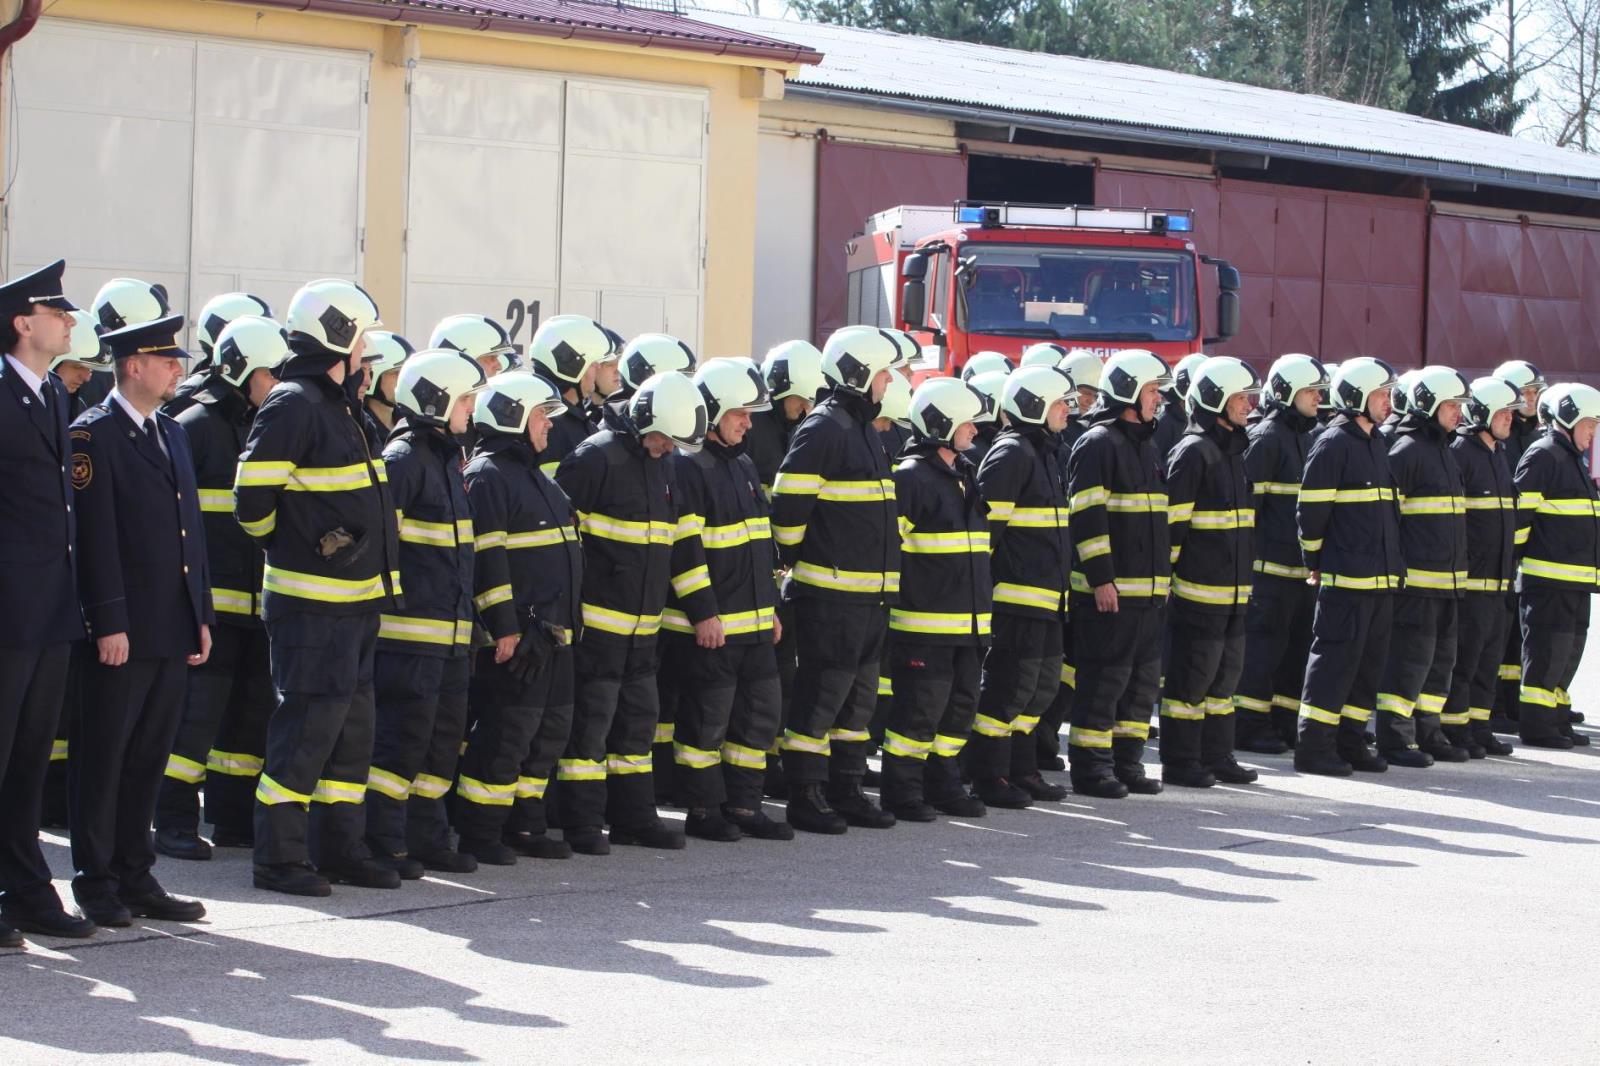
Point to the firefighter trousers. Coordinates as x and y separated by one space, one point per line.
421 720
222 736
1349 642
605 774
32 681
1197 715
838 648
1021 676
1277 641
120 743
729 709
520 732
1416 675
1555 625
1508 692
935 700
310 800
1047 735
1481 624
1119 678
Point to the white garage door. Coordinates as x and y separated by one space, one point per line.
533 195
202 164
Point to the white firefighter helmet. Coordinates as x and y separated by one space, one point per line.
1576 402
855 355
729 384
1083 367
939 406
1217 380
385 351
565 346
247 344
989 387
1490 396
1042 354
1127 372
1355 382
508 400
896 402
1400 390
431 382
909 348
1030 392
650 354
1435 385
127 302
219 311
1292 373
476 337
332 312
1183 373
671 405
984 363
794 368
1521 373
87 347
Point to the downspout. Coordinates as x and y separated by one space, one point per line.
21 26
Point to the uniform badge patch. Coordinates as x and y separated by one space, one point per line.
82 471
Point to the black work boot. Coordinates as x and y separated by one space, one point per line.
1138 782
754 823
901 791
1229 772
1484 737
775 783
405 866
657 834
707 823
1460 736
1315 751
1001 792
181 844
1099 785
1216 750
488 852
810 812
536 844
858 810
1354 746
1187 775
1037 787
587 840
1256 732
362 873
292 879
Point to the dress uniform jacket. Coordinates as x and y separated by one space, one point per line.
946 591
1491 506
833 508
1119 513
318 501
38 526
1557 526
423 466
723 557
1274 464
529 562
1211 518
1348 518
1433 526
1024 487
216 420
627 516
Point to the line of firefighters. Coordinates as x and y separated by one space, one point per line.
448 599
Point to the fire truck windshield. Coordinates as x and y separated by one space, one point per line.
1061 292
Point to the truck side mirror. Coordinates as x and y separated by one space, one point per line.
915 266
1228 285
913 303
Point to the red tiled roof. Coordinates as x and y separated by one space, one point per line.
594 20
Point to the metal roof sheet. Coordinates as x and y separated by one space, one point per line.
1159 105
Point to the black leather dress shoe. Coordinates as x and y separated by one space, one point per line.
50 923
163 907
106 912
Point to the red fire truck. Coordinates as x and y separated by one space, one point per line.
1001 277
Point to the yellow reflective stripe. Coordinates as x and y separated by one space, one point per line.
1028 595
1510 671
1069 675
1087 498
1539 697
1094 547
629 764
1355 714
1520 538
388 784
1317 714
1172 708
1311 545
692 580
1198 593
793 741
885 687
1394 704
325 589
489 597
1278 488
549 469
540 538
1136 502
948 747
1435 579
580 770
216 501
664 732
1558 571
1242 518
270 793
1038 518
1580 507
1250 703
1000 510
329 479
424 630
261 527
58 750
1430 703
1126 586
933 622
853 736
1478 714
695 758
1424 505
1079 737
622 624
1341 581
855 491
234 763
735 533
532 787
689 525
1180 512
844 580
734 623
1317 495
1298 573
905 747
986 726
1288 703
744 757
257 473
789 484
493 539
1218 705
232 601
436 534
1490 503
485 794
1486 584
186 770
330 791
944 543
626 531
1132 730
789 536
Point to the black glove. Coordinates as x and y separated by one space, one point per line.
535 650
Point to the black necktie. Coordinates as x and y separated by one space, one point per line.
151 432
44 396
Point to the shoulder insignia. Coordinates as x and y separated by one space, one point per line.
81 434
82 471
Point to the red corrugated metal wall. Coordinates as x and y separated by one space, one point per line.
1504 290
1372 279
857 180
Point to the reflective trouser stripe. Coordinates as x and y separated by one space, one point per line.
387 784
1250 703
985 726
746 758
1132 730
58 750
905 747
481 792
1429 703
233 763
664 732
429 786
580 770
628 764
695 758
1539 697
532 787
328 791
1171 708
947 746
1317 714
1089 738
793 741
1393 704
1288 703
1356 714
1478 714
270 792
185 770
848 736
1024 724
1218 705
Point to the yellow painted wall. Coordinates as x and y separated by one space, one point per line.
731 163
864 124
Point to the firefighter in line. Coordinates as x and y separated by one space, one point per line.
88 356
317 500
834 519
527 574
1277 622
1529 382
620 482
383 356
481 339
1174 417
1482 619
213 318
1349 526
1558 533
721 621
1024 488
1399 404
990 386
894 432
943 621
222 736
421 668
1211 519
567 351
1120 581
1433 543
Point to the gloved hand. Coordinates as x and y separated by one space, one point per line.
535 650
